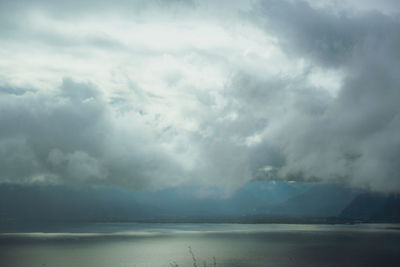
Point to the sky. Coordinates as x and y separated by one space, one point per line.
148 95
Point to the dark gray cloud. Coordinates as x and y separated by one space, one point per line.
330 38
352 137
68 136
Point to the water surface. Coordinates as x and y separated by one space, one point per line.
141 244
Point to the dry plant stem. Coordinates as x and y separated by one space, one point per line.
214 264
193 257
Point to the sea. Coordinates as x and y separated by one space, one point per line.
126 244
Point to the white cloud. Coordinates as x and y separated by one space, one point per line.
190 93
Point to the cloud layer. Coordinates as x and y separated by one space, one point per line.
154 94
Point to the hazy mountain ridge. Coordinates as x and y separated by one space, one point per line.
374 207
255 202
321 200
62 203
67 203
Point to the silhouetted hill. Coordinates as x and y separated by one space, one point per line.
65 203
257 201
57 202
374 207
321 200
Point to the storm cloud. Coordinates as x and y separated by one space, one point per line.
151 94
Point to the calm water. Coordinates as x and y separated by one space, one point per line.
134 244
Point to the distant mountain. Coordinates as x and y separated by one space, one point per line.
322 200
250 200
254 200
374 207
66 203
30 202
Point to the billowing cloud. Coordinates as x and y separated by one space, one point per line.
352 137
71 135
150 94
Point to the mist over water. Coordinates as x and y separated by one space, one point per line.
134 244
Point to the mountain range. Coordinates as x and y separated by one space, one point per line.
258 199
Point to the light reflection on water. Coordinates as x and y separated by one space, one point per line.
132 244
